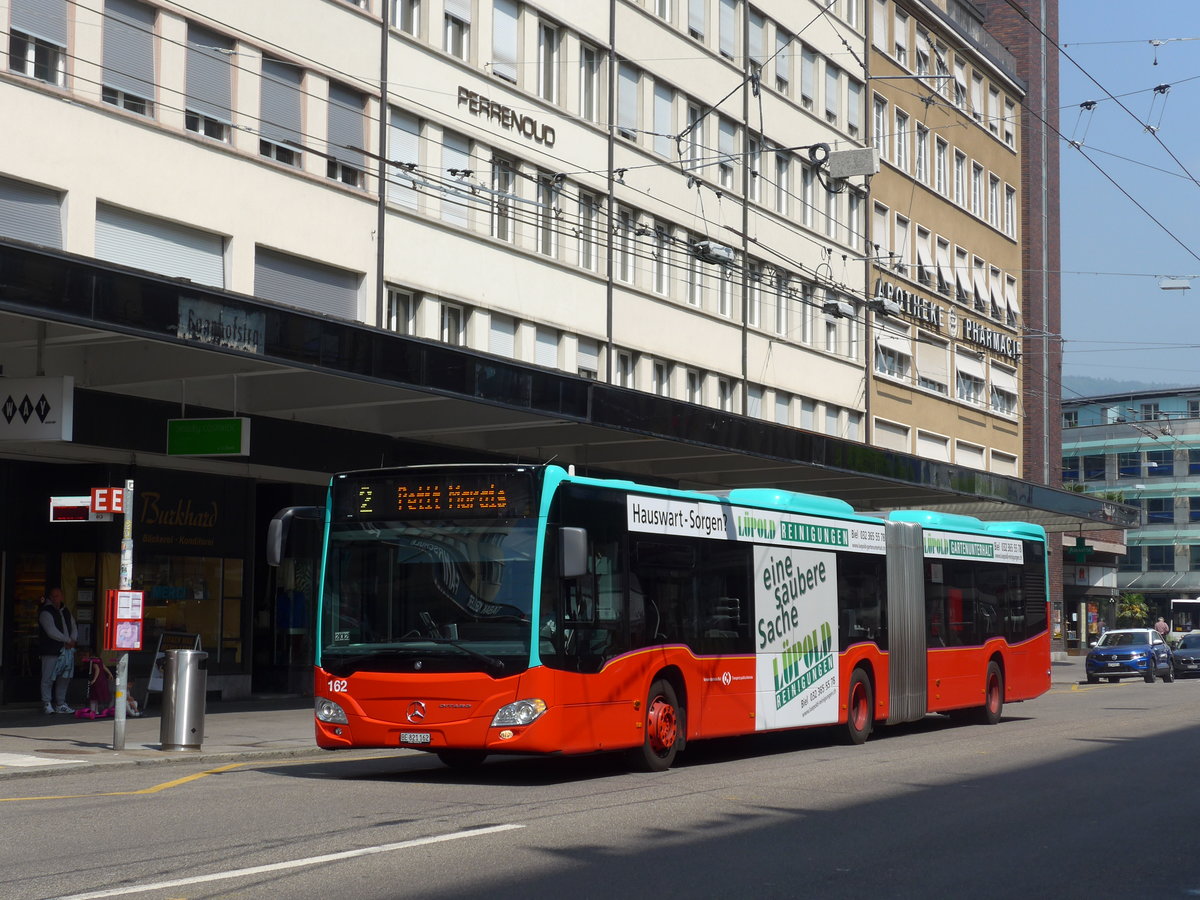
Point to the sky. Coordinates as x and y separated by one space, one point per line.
1117 321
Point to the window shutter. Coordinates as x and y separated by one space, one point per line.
663 97
460 9
404 135
300 282
696 15
30 213
547 348
281 102
208 80
783 55
345 125
501 333
728 38
129 48
627 99
504 39
157 245
45 19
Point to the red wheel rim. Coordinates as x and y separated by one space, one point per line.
662 725
993 694
858 706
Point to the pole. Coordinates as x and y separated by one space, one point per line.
126 584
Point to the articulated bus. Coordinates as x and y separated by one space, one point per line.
517 609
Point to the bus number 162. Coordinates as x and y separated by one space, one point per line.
337 685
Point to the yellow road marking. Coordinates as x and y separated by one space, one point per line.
166 785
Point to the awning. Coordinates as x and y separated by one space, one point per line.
968 365
945 270
1004 380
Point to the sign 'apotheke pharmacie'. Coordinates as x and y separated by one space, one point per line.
925 310
526 126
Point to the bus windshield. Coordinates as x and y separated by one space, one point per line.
444 595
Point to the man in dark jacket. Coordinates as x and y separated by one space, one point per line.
56 632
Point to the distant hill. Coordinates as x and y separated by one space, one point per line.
1087 386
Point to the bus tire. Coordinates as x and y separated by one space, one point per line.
462 760
993 696
860 708
663 730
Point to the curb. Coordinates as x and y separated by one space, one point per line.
123 761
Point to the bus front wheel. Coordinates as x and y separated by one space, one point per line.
663 727
860 707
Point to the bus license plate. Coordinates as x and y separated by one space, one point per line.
414 737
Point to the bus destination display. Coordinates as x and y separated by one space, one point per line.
416 496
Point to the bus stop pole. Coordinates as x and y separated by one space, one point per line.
126 584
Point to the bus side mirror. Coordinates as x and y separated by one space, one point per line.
277 531
573 555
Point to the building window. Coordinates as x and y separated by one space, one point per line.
1010 122
1194 509
892 356
1160 558
901 157
627 101
977 189
208 84
754 294
34 57
783 182
1004 402
504 39
662 260
922 154
406 15
783 61
854 94
346 162
754 396
400 315
833 93
625 246
625 372
549 62
695 276
880 127
1070 418
783 293
1148 412
589 82
547 213
664 132
724 394
1132 560
587 358
725 292
1010 211
900 38
1070 469
404 151
728 27
504 190
1160 463
456 192
660 379
457 28
994 111
808 77
454 324
960 177
1093 467
695 387
129 57
662 9
968 380
589 223
960 84
727 148
279 129
1194 558
697 18
977 96
1129 465
994 201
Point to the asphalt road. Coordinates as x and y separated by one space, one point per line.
1086 791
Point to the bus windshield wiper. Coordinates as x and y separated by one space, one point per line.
491 662
345 665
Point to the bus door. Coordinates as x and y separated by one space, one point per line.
906 617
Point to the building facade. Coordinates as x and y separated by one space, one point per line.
945 237
603 233
1143 449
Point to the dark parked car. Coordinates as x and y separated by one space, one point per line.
1186 654
1130 652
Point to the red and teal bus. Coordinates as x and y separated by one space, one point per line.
513 609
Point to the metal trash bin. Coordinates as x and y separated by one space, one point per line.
185 679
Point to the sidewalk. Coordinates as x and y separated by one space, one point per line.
34 743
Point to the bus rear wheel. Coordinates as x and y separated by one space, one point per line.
860 705
993 696
663 727
462 760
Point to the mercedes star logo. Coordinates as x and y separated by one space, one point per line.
416 711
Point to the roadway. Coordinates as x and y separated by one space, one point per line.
1083 791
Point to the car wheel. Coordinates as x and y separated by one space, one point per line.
1170 676
1150 667
1093 679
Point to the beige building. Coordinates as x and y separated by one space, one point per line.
946 278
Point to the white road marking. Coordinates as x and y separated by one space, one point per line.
290 864
22 759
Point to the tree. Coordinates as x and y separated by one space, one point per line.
1132 610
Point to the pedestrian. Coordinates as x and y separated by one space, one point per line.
99 691
1161 627
56 646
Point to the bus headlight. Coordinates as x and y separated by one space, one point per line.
328 711
523 712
